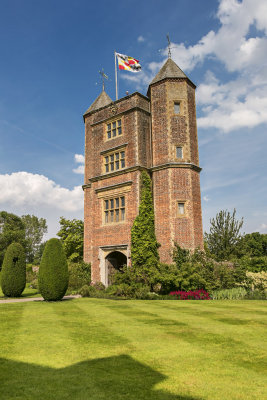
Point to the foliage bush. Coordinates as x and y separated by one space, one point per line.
79 275
144 245
254 264
238 293
98 286
191 295
256 295
87 291
133 291
53 271
13 275
257 281
197 271
191 271
32 276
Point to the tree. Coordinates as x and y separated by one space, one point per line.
71 234
11 230
144 245
53 275
35 228
253 245
13 275
224 235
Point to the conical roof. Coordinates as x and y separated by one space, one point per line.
169 70
102 101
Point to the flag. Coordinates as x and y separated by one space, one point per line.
128 63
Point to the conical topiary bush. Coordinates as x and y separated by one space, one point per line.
13 275
53 274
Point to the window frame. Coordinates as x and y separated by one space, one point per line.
111 126
176 102
112 159
182 150
184 214
112 208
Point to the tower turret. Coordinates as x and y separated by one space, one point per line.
175 164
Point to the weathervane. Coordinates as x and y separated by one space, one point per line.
169 47
104 76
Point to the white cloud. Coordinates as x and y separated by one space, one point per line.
206 198
25 193
79 158
263 228
26 189
140 38
242 101
79 170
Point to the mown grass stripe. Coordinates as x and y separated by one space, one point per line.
98 349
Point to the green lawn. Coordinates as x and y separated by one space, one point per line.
91 349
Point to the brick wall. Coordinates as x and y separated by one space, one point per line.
151 132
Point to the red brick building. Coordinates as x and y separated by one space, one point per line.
156 133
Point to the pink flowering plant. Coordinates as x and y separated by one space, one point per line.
199 294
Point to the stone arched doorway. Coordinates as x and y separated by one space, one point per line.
114 262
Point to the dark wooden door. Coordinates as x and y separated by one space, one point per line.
112 264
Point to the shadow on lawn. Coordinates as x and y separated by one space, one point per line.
118 377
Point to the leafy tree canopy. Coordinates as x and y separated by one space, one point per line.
224 235
12 230
35 228
71 235
253 245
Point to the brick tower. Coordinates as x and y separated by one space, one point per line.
156 133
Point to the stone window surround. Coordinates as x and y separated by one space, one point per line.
114 206
114 160
181 103
182 149
112 192
118 121
184 202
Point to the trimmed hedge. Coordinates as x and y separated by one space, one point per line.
53 277
13 275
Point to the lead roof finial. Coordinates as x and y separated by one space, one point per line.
169 47
104 76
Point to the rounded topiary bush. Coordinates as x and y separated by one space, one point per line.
53 274
13 275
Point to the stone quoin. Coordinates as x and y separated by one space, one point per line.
156 133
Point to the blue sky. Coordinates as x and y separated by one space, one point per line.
50 56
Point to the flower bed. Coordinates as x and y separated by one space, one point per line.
200 294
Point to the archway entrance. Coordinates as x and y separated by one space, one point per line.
114 262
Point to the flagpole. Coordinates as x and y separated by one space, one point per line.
116 76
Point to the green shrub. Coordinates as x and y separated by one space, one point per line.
198 271
13 275
133 291
87 291
99 286
256 295
32 276
254 264
53 271
79 275
257 282
144 245
238 293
